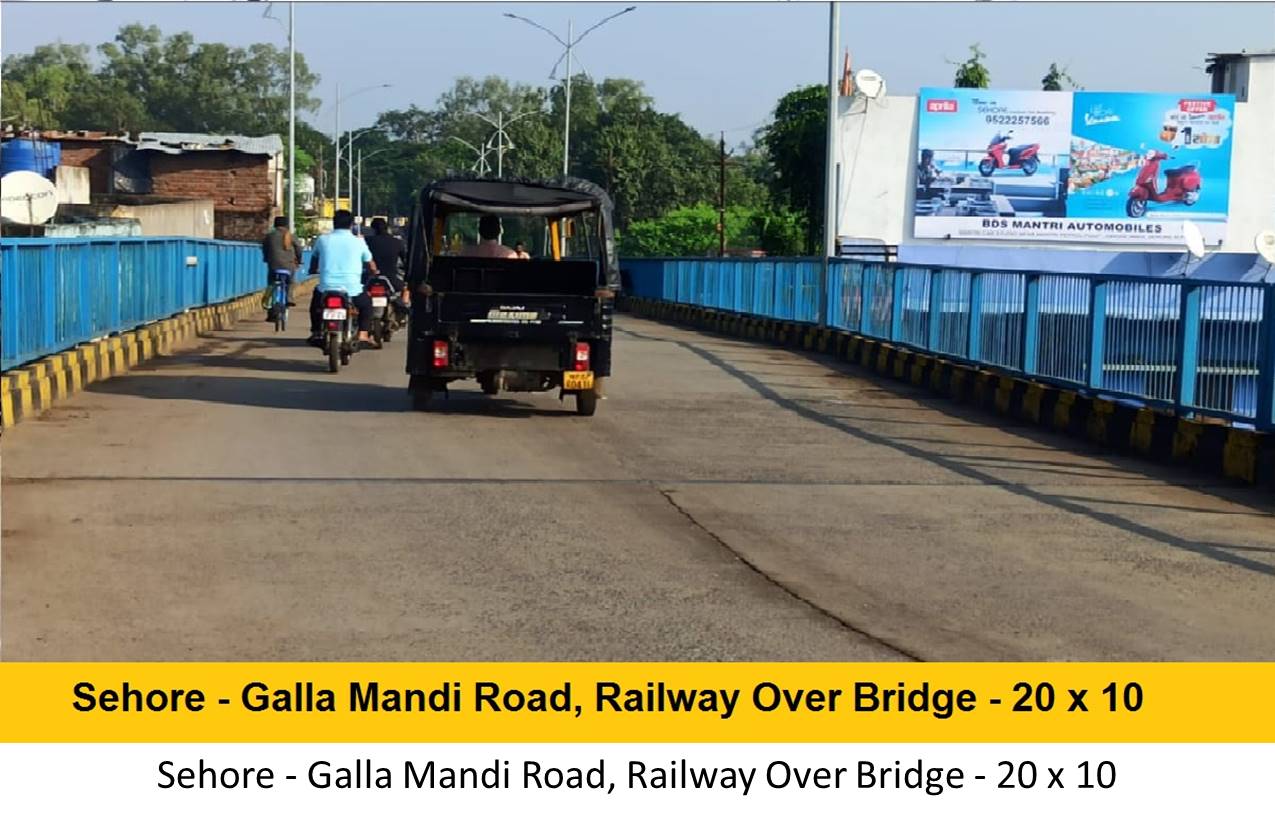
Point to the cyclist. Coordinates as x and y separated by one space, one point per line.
338 259
282 255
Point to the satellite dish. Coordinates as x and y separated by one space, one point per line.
869 84
1265 245
27 198
1194 239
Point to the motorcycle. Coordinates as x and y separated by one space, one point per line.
340 335
1181 185
386 317
1023 156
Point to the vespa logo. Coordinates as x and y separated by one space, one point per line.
941 106
1099 115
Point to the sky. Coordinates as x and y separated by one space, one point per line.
720 65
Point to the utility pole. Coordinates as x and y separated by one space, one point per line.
292 120
349 164
721 200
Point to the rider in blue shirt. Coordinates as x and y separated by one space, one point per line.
338 260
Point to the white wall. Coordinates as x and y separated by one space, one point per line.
190 218
878 153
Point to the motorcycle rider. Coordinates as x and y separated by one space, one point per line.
387 253
339 259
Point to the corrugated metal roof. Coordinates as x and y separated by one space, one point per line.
181 142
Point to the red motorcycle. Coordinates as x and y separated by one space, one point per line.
1001 156
1181 185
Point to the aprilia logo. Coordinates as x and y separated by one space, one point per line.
1197 106
941 106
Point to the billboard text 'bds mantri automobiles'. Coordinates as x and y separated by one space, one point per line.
1064 166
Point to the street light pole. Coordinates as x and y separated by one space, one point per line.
569 44
502 140
370 155
336 140
566 120
292 121
336 160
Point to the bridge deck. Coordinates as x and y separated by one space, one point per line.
729 501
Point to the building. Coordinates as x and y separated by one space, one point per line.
170 178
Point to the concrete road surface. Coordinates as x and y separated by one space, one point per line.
729 501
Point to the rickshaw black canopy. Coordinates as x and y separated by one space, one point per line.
559 197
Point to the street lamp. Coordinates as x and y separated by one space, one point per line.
480 165
349 160
569 44
370 155
292 115
336 135
502 140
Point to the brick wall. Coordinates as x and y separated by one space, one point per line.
94 154
239 185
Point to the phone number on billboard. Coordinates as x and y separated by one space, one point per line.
1019 119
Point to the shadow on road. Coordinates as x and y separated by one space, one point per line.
319 395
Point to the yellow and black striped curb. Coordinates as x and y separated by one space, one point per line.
1209 446
30 389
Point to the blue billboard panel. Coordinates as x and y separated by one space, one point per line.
1062 166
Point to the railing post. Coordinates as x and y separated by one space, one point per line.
1188 354
1266 361
933 335
1031 322
1097 331
898 300
865 302
974 341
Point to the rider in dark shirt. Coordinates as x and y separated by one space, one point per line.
387 251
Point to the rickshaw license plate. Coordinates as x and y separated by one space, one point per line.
380 303
577 380
334 314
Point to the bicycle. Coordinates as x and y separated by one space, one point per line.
279 304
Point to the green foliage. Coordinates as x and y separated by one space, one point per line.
146 81
795 145
972 74
1055 78
691 231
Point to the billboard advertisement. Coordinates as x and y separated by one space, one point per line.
1103 167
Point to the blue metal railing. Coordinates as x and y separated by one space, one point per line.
1204 348
59 292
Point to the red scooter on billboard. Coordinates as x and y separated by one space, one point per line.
1001 156
1181 185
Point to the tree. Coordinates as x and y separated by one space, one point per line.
795 144
147 81
1055 78
972 74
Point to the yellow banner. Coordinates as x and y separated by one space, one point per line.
637 702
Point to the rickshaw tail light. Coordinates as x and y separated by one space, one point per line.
582 357
441 360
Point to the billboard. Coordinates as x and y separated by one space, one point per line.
1103 167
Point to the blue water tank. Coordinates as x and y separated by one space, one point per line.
24 154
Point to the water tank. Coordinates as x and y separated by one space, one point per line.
25 154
